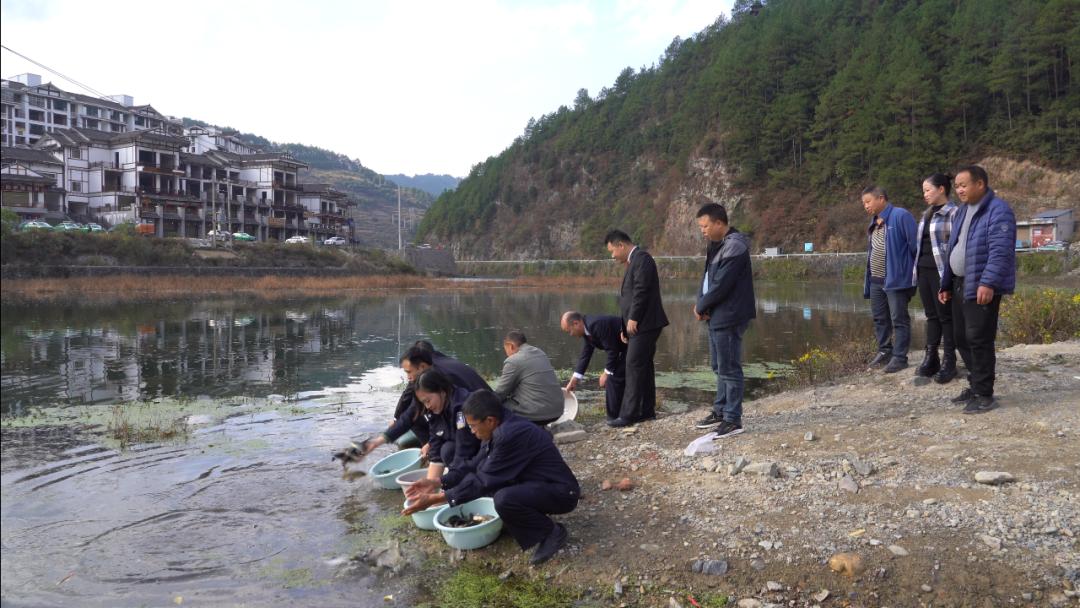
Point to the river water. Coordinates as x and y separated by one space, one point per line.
247 508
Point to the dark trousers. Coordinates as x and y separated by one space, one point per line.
889 309
939 328
524 509
725 354
975 329
639 398
614 387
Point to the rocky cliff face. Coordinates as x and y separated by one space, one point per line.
563 223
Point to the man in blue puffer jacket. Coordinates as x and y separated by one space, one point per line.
981 268
888 284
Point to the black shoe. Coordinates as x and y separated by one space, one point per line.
616 423
930 363
728 429
879 360
980 404
948 368
965 395
647 417
710 422
550 545
895 364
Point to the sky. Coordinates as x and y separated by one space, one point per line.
407 87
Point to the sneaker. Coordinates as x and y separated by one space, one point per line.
965 395
980 404
710 421
550 545
895 365
879 360
728 429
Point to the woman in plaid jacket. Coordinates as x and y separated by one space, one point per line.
932 254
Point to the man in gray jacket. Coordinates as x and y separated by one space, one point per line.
528 385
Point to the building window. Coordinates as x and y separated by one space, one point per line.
37 115
74 153
59 104
76 186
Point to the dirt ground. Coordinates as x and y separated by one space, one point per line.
927 533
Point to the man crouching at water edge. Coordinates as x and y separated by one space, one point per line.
519 466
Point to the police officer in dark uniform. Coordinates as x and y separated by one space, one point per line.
519 466
451 444
409 412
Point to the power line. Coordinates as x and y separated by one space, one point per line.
92 90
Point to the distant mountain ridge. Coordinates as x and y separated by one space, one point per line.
376 222
428 182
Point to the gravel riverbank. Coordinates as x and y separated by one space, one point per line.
873 465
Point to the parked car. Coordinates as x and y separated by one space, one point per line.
242 236
92 227
67 227
294 240
336 240
219 235
1053 246
35 225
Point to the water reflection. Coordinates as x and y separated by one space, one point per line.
65 355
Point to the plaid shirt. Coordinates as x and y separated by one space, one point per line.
940 230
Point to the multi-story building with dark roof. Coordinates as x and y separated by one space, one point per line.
31 109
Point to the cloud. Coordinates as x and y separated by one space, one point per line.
410 87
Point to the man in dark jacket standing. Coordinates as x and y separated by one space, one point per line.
888 283
726 302
643 320
519 466
981 268
603 332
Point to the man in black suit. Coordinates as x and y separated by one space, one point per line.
643 320
603 332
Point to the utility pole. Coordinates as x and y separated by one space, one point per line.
399 218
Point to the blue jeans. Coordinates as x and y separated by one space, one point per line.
725 354
891 317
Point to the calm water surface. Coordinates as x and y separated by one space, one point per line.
250 509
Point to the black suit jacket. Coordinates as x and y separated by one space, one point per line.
639 299
603 333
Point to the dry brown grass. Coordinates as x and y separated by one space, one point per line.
141 288
568 281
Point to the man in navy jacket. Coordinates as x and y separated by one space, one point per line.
520 467
726 302
981 268
888 284
603 332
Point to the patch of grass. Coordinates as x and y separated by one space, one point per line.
470 587
129 426
817 365
1041 317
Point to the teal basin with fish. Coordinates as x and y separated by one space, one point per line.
385 472
473 537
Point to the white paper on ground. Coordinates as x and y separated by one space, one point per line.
701 445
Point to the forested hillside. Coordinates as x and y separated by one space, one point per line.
376 195
783 115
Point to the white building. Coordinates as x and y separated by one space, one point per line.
32 183
30 110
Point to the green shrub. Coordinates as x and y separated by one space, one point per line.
1040 263
1041 317
848 356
